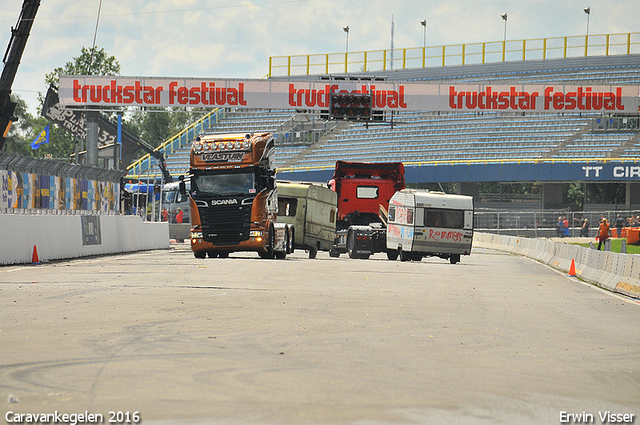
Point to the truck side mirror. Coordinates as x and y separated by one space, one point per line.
182 187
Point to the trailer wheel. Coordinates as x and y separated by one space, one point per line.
455 258
392 254
334 253
313 251
404 255
200 254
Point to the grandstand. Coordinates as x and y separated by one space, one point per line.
306 141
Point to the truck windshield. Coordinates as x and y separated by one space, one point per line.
225 184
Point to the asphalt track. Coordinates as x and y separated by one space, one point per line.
496 339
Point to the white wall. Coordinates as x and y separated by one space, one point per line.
60 236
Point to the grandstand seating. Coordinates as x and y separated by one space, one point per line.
430 136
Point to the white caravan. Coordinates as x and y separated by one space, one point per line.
423 223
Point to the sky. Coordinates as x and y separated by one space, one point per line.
234 39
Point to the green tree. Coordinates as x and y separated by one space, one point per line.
90 62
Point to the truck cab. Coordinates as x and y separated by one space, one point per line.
364 191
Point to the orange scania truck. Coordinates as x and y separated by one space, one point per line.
233 197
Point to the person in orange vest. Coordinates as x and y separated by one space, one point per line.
604 232
179 216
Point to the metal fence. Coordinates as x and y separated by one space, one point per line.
41 186
545 223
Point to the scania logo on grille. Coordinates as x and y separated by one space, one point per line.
223 202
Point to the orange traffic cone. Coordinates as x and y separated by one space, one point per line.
34 256
572 269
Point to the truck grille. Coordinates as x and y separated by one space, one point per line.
225 224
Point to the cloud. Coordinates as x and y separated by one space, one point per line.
229 39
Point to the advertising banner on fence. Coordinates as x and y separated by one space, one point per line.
314 95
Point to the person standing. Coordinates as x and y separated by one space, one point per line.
584 230
619 225
560 228
604 232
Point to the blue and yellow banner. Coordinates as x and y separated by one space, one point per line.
42 138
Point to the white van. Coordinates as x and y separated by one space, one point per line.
423 223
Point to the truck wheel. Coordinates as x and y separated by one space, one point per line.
212 254
333 253
224 255
292 241
313 251
272 242
351 245
455 258
200 254
281 255
392 254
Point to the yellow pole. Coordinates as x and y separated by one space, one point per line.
484 47
504 49
565 47
346 59
544 48
607 43
326 68
424 56
308 63
270 63
524 49
443 55
586 44
289 65
384 60
629 43
404 58
463 50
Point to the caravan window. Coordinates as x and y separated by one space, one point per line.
287 206
444 218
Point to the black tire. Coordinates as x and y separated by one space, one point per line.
313 251
200 254
351 245
281 255
333 253
212 254
292 241
454 258
404 255
272 240
224 255
392 254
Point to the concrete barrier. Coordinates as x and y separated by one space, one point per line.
610 270
71 236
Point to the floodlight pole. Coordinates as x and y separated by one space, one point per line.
587 10
424 43
504 40
346 48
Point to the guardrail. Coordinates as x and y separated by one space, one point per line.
456 54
